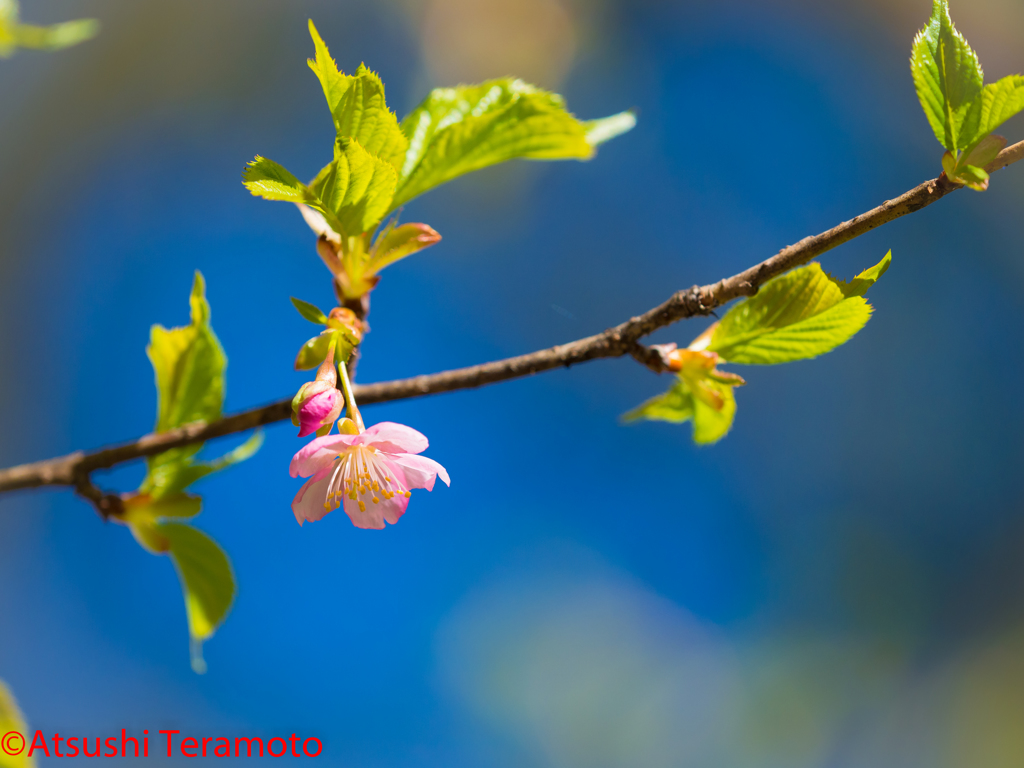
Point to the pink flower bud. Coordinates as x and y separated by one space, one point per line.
317 405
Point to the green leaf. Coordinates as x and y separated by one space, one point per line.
675 406
800 315
469 127
985 151
206 579
860 284
313 352
272 181
311 312
949 80
356 187
172 507
395 243
999 102
57 36
607 128
974 177
960 108
711 424
143 514
173 471
11 719
358 106
189 365
15 35
683 403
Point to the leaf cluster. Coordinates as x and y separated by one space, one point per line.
341 326
962 111
189 366
797 316
380 163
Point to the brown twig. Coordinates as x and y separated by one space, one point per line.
621 340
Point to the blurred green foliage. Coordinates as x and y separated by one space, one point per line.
14 34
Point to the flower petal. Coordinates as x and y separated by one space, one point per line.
374 513
394 508
395 438
419 471
318 453
372 517
308 503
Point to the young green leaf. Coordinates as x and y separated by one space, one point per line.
145 508
358 106
12 721
189 365
311 312
173 471
962 111
352 192
380 165
272 181
469 127
206 580
862 282
14 34
800 315
709 404
999 102
356 187
607 128
971 176
143 515
949 80
313 352
343 328
395 243
985 151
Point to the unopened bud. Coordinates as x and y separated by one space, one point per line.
326 372
344 319
664 351
316 406
347 427
318 403
696 364
691 361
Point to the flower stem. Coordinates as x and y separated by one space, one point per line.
351 409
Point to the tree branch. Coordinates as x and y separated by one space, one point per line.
75 468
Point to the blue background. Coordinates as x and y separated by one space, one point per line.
838 582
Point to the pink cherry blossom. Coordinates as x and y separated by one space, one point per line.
370 474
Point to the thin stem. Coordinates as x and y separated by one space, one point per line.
619 341
351 409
